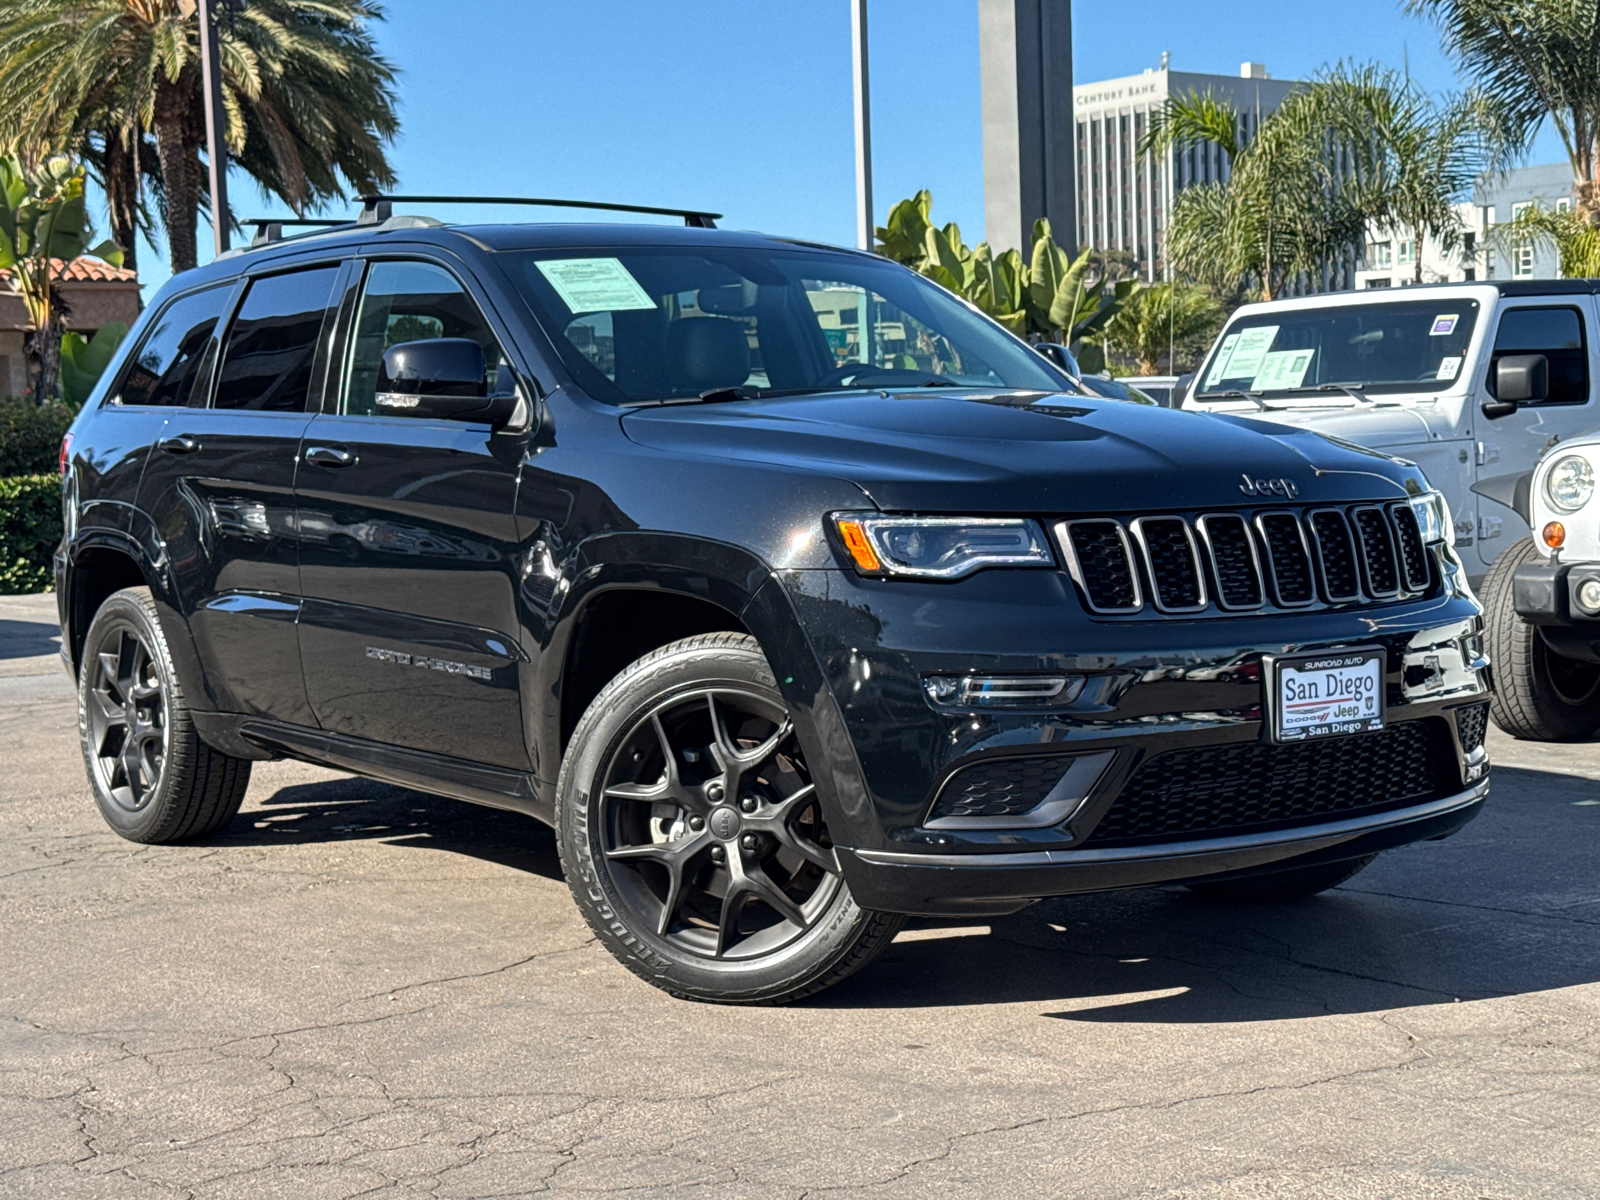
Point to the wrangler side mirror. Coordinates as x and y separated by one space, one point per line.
441 378
1518 379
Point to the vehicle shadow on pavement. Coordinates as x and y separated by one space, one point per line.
1509 905
28 639
357 809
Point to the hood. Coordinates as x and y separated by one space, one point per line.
1022 452
1380 425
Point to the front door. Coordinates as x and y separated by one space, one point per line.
220 488
1563 330
408 543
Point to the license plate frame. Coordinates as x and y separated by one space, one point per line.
1292 717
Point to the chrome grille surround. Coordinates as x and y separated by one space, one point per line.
1233 562
1087 584
1155 551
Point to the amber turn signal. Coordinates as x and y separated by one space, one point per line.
1555 534
860 546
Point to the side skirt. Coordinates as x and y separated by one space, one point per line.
495 787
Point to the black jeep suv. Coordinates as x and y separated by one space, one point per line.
796 594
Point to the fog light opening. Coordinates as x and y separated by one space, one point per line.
1555 535
1588 593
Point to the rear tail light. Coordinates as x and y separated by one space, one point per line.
66 453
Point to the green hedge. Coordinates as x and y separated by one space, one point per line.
30 436
30 529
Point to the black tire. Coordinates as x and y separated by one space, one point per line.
1538 695
1278 887
153 778
650 832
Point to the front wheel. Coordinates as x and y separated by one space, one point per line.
1539 695
692 838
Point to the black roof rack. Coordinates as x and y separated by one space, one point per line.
270 229
377 209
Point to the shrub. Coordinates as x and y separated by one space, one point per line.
30 528
30 436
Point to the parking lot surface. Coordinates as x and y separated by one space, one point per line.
360 990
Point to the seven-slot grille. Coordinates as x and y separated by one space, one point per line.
1284 558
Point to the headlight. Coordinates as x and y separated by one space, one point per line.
1433 517
1569 483
940 547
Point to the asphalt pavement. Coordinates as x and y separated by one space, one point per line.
359 990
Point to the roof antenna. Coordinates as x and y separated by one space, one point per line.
1166 57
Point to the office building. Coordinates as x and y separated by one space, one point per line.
1123 198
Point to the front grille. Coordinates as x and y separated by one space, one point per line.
1222 790
1472 725
1103 566
1173 562
1004 787
1241 562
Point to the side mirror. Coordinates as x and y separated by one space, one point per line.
1518 379
440 378
1061 357
1181 389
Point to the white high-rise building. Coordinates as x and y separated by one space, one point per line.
1123 198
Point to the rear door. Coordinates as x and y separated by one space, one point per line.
1562 328
220 487
408 542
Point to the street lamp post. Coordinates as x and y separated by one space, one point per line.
216 115
858 47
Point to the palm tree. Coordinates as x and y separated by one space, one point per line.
1287 208
310 102
1532 60
1418 156
1167 320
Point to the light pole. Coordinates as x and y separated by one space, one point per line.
216 141
858 48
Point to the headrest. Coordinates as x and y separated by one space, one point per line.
708 352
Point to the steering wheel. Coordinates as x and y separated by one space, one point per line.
867 375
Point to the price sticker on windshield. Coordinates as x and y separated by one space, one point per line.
1444 326
1326 695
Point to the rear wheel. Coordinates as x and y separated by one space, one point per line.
1280 886
153 778
692 838
1539 695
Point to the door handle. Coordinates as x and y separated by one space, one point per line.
329 456
182 444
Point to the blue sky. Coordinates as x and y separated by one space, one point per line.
744 106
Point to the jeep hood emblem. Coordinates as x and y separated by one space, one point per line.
1269 487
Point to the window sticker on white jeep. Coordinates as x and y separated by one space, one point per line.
1223 355
595 284
1251 349
1449 368
1282 369
1444 326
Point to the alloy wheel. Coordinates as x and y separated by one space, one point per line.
127 718
709 825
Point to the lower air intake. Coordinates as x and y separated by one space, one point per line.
1004 787
1217 791
1472 724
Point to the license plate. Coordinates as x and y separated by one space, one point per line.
1326 695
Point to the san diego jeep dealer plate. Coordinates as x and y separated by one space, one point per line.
1326 695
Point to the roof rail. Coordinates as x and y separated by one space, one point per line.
270 229
377 209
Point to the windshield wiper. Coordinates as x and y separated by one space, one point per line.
1353 390
1236 394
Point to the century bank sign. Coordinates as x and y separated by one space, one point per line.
1112 95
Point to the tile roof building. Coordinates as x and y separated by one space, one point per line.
96 293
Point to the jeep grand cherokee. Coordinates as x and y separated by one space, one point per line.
794 593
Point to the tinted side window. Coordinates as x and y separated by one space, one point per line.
165 367
411 302
1556 333
272 343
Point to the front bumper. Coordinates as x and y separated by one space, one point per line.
1544 593
996 884
1174 689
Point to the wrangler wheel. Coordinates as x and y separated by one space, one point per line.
692 835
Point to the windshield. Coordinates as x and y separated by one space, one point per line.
1415 346
645 324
